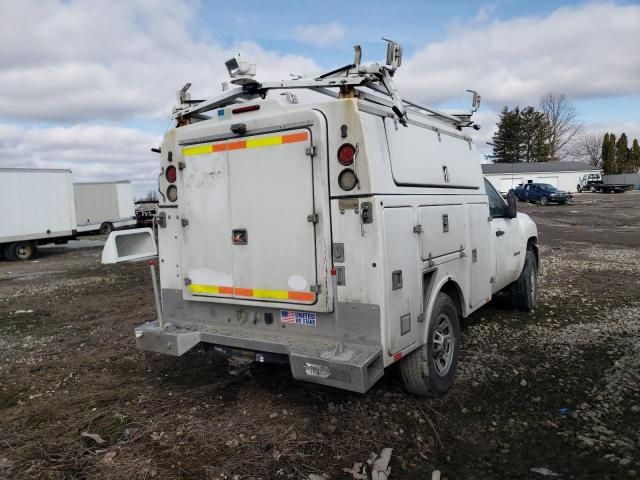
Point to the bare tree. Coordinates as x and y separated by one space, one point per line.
587 148
563 123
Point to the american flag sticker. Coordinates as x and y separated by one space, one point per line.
297 318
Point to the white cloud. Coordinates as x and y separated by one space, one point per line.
91 152
81 60
320 34
484 13
584 52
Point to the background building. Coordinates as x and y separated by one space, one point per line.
563 175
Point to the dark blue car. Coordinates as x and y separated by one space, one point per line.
541 192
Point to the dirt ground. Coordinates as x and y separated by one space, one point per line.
556 391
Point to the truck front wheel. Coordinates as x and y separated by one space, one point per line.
523 291
579 188
544 201
430 369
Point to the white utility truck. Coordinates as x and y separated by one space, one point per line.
340 235
104 206
36 207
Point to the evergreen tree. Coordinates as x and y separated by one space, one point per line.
609 154
521 136
635 156
506 140
622 154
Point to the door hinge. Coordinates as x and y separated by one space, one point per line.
311 151
313 218
314 288
421 318
184 222
181 165
187 281
417 229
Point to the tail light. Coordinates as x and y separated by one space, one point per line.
172 193
171 174
346 154
347 179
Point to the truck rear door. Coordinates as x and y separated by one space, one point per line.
252 234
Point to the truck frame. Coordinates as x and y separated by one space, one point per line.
341 236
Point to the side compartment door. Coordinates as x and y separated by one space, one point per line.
403 279
481 268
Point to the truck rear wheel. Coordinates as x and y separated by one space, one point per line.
9 251
106 228
430 369
544 201
524 290
24 250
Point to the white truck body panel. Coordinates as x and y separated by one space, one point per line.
36 204
100 202
246 249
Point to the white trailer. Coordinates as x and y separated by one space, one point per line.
104 206
341 236
36 208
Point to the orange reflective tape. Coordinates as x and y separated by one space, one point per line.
236 145
302 296
244 292
295 137
226 290
219 147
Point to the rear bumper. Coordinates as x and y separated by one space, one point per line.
315 360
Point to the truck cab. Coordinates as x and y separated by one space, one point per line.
341 236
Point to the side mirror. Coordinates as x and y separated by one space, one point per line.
512 205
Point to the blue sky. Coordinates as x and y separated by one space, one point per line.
89 84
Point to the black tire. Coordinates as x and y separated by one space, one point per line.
24 250
544 201
106 228
9 251
579 188
523 292
419 370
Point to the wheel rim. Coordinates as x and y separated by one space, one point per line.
23 251
443 345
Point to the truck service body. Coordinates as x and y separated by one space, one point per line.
330 235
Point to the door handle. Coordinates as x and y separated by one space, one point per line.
499 233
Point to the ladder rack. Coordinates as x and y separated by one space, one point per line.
351 81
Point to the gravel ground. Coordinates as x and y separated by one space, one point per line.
552 393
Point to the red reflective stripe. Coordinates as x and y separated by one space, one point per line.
302 296
236 145
244 292
295 137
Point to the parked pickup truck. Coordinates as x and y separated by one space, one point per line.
541 192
